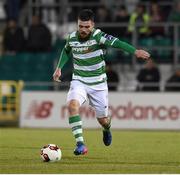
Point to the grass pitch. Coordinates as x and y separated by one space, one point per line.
130 152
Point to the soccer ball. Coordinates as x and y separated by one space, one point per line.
51 153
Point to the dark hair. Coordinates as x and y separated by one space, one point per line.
86 15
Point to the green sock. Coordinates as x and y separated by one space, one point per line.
76 126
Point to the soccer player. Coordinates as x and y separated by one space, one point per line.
89 79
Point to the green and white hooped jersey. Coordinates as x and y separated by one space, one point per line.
88 56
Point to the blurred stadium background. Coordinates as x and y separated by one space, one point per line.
33 33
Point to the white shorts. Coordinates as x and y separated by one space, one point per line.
98 99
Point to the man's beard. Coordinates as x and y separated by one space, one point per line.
84 35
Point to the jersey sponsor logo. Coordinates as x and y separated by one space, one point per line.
84 44
74 44
80 49
91 42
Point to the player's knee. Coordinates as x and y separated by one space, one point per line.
73 107
104 121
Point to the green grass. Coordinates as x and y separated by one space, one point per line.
131 152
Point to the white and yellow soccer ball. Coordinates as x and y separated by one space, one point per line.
51 153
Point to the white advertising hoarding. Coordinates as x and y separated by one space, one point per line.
128 110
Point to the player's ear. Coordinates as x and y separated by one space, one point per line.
92 22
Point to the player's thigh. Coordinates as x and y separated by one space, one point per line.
77 92
98 99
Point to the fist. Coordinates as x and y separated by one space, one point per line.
142 54
57 74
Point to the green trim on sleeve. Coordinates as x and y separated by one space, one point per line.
124 46
63 58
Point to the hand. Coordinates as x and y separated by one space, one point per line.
57 75
142 54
